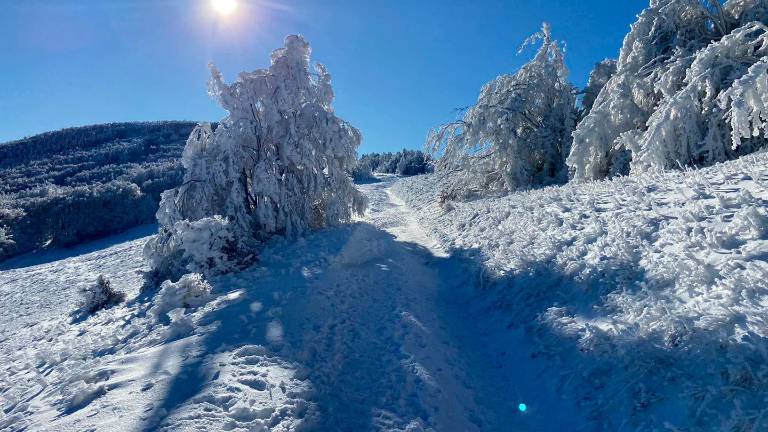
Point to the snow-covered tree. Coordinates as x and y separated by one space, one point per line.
690 127
519 131
598 78
665 107
276 165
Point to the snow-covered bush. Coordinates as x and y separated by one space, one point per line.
683 87
207 245
99 296
5 238
191 291
519 131
691 127
277 165
6 211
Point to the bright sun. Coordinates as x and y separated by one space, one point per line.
224 7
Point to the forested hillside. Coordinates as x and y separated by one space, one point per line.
61 188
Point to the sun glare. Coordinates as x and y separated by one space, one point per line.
224 7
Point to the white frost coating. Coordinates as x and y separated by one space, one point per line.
598 78
203 246
657 87
688 128
748 102
520 128
277 165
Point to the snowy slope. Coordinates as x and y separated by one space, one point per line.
369 326
648 293
633 304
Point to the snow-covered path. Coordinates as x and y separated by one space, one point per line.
369 326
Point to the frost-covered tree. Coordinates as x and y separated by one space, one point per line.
276 165
691 127
519 131
405 162
598 78
666 104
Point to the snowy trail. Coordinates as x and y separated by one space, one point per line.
369 326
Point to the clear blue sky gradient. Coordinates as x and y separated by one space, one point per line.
399 67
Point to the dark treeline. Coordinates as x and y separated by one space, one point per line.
62 188
405 162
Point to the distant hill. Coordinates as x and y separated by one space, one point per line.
61 188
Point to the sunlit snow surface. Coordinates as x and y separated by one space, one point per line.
635 304
369 326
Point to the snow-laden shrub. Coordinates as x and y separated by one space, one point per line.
206 246
5 238
99 296
276 166
519 131
671 101
691 127
191 291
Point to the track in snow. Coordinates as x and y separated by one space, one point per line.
369 326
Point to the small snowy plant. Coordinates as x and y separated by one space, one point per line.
276 166
519 131
5 238
206 246
99 296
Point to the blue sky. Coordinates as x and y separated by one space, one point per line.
399 67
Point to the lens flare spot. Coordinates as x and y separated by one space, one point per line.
522 407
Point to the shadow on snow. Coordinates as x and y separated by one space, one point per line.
495 322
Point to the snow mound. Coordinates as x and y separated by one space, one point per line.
190 291
650 292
